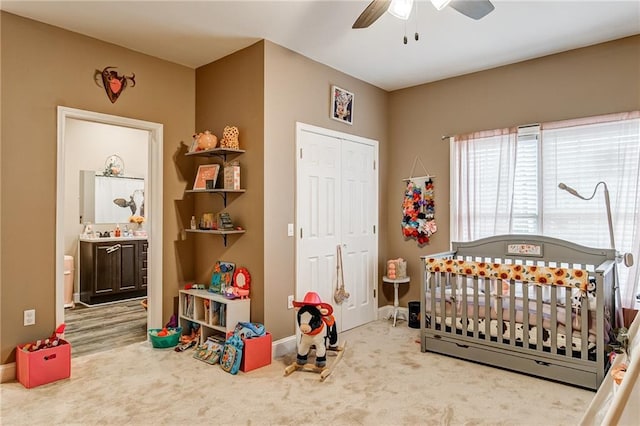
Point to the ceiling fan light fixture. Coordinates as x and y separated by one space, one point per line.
401 8
440 4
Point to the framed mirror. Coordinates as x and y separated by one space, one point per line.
110 199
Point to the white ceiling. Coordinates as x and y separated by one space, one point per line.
195 33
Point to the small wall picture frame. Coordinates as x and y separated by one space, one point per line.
342 105
206 172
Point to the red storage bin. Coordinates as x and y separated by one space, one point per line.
256 353
43 366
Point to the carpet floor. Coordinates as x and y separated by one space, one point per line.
382 379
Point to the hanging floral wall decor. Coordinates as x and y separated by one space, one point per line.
418 210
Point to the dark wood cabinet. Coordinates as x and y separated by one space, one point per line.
143 248
112 270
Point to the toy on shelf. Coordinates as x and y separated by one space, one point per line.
318 329
230 138
204 141
221 277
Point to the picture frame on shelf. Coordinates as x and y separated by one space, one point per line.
342 105
206 172
194 145
207 221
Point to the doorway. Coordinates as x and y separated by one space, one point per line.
337 205
153 199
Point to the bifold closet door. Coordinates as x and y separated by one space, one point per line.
358 233
337 204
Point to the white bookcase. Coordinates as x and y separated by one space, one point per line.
215 313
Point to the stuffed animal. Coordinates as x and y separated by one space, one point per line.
317 328
230 138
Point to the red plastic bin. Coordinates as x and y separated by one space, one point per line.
256 353
43 366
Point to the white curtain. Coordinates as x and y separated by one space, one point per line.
502 184
482 174
580 154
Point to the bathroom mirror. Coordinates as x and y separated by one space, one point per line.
110 199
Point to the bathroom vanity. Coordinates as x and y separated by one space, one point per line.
112 269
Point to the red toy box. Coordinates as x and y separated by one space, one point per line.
43 366
256 353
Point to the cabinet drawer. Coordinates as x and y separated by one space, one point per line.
501 358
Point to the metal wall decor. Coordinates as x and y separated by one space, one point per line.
113 83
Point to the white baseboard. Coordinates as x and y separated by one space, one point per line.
281 347
284 346
288 345
7 372
386 312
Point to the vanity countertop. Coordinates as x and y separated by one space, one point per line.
110 239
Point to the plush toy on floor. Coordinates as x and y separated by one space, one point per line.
318 330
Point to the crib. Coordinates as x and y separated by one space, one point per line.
531 304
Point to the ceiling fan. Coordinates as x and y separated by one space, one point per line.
475 9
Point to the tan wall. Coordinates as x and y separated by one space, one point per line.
298 89
230 93
595 80
264 90
43 67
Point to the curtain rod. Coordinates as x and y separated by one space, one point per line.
522 126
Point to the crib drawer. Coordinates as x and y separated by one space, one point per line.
545 367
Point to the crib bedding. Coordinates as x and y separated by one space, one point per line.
520 333
503 302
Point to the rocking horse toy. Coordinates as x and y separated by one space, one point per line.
318 330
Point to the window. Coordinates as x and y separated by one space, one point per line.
509 184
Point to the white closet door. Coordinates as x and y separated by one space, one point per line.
318 214
359 242
337 203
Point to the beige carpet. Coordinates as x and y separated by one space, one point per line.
383 379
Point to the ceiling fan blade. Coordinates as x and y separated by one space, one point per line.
475 9
371 14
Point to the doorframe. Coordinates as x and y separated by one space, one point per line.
153 185
303 127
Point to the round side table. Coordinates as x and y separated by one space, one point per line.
396 282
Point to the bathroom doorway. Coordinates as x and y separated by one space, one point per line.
145 164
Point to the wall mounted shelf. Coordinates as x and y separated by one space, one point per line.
220 153
217 232
216 152
220 191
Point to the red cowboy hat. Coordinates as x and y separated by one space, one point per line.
312 298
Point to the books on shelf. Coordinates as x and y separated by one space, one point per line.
188 305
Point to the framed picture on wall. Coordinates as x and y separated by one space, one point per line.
206 172
341 105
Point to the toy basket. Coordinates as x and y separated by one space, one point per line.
168 341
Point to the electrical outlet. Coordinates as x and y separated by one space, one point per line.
290 301
30 317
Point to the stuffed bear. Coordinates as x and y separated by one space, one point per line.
317 326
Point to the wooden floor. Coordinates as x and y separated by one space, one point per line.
98 328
